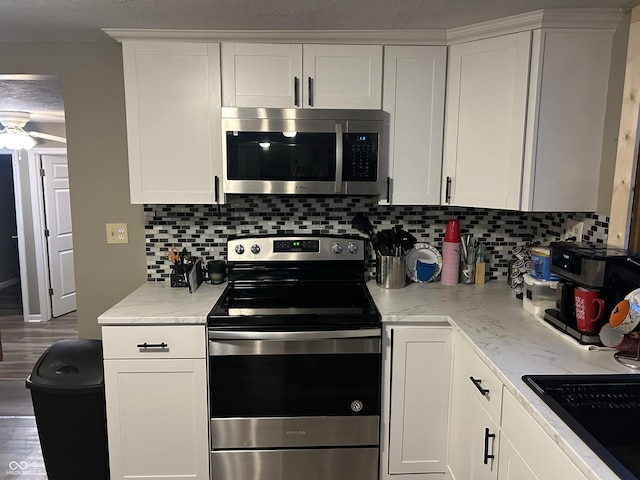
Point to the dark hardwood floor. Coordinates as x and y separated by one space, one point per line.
22 344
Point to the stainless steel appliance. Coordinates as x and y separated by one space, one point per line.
294 362
614 271
303 151
602 410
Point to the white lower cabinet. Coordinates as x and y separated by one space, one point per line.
156 398
491 435
476 403
416 366
527 451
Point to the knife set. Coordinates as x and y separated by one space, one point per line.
186 271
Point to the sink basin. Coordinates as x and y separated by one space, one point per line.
603 410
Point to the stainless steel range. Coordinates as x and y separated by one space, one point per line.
294 362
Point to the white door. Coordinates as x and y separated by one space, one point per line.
57 209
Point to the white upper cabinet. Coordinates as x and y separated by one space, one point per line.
413 96
301 76
525 117
485 126
172 92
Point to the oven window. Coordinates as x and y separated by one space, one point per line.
294 385
274 156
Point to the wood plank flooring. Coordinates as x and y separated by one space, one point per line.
22 344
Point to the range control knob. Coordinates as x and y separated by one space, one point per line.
336 248
255 249
239 249
352 248
356 405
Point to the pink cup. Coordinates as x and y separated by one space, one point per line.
450 263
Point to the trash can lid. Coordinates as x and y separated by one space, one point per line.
69 365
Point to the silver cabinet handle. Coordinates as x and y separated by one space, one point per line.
14 237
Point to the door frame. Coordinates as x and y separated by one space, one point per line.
43 281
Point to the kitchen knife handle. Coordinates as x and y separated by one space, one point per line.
310 92
447 195
146 345
477 382
296 91
487 436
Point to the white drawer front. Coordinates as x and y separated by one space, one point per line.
155 341
483 384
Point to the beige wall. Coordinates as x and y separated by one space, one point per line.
92 84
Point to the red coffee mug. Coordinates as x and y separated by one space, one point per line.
589 309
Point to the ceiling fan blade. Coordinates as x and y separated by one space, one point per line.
47 136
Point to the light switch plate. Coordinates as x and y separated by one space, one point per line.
117 233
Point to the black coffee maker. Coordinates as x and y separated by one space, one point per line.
613 271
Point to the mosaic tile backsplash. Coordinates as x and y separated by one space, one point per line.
204 232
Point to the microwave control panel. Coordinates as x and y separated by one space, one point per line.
360 157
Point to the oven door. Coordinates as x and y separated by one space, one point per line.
289 401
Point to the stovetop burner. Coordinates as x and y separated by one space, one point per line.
300 282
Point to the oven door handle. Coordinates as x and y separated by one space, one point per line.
314 335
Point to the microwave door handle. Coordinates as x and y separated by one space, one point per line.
339 160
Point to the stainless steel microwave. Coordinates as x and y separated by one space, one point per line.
302 151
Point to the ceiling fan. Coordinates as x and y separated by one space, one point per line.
14 137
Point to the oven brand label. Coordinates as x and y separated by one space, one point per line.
295 432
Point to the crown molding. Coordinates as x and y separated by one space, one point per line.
587 18
567 18
375 37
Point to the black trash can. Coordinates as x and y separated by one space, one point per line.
67 390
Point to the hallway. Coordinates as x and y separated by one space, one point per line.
22 345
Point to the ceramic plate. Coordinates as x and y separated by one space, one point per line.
427 254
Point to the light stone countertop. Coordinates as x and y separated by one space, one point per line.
156 303
510 340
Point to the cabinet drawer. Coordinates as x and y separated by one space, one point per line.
156 341
483 384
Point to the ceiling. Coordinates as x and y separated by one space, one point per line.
82 21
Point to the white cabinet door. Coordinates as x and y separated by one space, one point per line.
525 120
261 75
414 82
485 126
172 93
512 466
537 451
419 398
301 76
476 404
342 76
157 418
